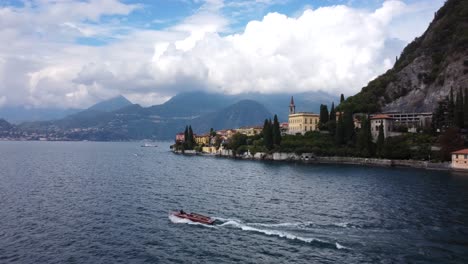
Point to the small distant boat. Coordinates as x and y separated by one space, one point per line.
148 145
194 217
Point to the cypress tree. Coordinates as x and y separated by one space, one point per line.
451 109
323 118
342 98
440 116
348 126
332 116
191 140
364 138
380 142
332 120
339 134
267 134
459 109
465 109
276 131
186 134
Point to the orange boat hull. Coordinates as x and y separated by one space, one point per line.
195 217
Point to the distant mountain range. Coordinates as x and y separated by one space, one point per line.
20 114
119 119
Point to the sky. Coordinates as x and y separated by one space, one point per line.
72 54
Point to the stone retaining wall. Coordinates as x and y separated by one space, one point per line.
311 158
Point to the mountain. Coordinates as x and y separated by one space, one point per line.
135 122
201 110
20 114
427 69
242 113
279 103
112 104
4 125
192 104
197 103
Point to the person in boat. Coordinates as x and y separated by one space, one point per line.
181 212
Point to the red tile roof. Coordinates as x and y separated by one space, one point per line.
381 116
461 151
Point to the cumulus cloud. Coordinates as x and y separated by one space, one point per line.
333 49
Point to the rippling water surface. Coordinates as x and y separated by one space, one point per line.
87 202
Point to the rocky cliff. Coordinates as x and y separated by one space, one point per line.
426 70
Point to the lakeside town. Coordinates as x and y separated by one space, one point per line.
432 138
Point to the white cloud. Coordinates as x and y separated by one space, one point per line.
334 49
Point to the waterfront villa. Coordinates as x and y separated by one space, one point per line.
460 159
226 133
250 131
381 120
180 137
301 122
202 139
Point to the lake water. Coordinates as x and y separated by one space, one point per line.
86 202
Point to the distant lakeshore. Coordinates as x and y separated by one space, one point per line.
309 158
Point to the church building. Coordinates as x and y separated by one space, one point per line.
301 122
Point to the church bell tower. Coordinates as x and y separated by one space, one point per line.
292 107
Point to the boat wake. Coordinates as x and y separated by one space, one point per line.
281 233
263 228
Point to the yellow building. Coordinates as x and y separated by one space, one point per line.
211 150
202 139
460 159
301 122
250 131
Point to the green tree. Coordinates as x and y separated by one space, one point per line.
212 132
396 148
323 118
191 139
276 131
186 134
332 116
380 142
451 109
364 138
267 134
342 98
440 116
450 141
348 127
339 134
237 140
458 113
465 109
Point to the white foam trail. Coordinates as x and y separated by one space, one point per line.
226 219
278 225
250 227
270 232
338 246
342 224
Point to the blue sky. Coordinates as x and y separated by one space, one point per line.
63 53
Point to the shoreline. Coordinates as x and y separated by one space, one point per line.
309 158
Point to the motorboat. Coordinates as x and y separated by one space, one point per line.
194 217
